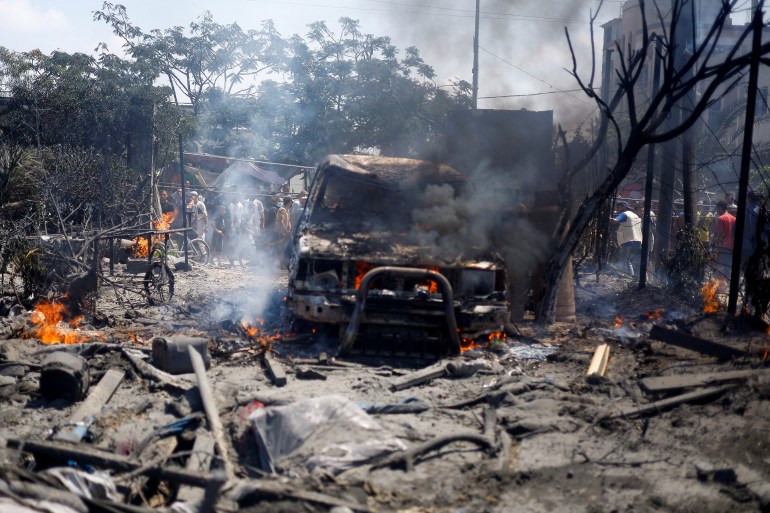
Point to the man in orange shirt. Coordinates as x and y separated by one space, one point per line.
723 241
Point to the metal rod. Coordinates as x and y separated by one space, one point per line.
408 272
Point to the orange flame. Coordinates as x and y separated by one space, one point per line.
361 269
710 302
654 316
618 322
55 324
141 248
255 333
466 343
430 284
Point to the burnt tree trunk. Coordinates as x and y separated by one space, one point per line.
556 263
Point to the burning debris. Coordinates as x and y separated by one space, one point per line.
141 246
54 324
711 303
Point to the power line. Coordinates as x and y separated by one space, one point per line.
472 12
536 78
447 13
529 94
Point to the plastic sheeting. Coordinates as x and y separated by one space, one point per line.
328 432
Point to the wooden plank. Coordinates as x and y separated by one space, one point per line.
212 411
660 384
91 407
200 462
658 406
274 370
418 377
100 395
693 343
598 364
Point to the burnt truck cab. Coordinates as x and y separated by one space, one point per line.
363 262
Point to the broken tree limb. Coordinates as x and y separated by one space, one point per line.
274 370
147 371
598 364
693 343
93 404
212 412
99 458
659 384
418 377
407 457
658 406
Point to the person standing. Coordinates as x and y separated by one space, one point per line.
199 218
723 241
283 220
219 234
260 214
629 237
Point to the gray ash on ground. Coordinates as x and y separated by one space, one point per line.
558 443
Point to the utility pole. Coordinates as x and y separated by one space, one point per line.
184 201
476 58
648 184
748 136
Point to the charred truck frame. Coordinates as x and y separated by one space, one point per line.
360 263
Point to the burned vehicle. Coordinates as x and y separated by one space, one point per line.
368 259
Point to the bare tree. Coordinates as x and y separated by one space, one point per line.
710 72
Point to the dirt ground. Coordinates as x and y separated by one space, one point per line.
548 439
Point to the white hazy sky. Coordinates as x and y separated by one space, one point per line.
524 49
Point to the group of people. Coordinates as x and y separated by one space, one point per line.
715 230
239 225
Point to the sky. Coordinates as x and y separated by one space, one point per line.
523 61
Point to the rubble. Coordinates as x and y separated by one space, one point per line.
511 425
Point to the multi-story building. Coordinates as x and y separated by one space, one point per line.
718 137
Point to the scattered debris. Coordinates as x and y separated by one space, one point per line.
170 354
658 406
598 364
64 376
76 429
274 369
693 343
662 384
309 373
212 412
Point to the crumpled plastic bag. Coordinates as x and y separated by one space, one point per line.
329 432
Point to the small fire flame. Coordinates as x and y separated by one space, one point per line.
430 284
55 324
361 269
654 316
710 302
256 334
141 248
618 322
466 344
